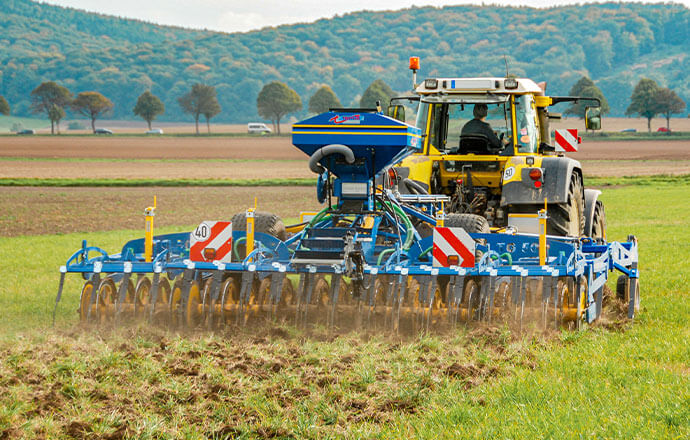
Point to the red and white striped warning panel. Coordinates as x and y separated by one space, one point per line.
567 140
211 241
453 247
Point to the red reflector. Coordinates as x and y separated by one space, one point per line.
391 175
453 260
537 183
535 174
459 182
209 254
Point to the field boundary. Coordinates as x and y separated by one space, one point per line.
79 182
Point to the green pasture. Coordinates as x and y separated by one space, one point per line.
629 382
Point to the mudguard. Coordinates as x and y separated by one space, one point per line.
557 172
591 197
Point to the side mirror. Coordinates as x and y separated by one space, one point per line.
593 118
397 112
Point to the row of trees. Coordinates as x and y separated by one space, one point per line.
648 100
276 100
53 100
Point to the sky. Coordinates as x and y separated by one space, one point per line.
245 15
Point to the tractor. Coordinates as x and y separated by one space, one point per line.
499 183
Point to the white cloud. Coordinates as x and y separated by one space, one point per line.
243 15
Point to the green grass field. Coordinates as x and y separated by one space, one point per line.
627 381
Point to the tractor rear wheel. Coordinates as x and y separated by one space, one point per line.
599 223
568 219
469 222
264 222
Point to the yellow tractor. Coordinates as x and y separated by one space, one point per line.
487 145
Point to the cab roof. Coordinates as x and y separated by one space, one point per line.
478 85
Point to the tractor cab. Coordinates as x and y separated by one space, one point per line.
481 136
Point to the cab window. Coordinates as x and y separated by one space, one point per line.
525 115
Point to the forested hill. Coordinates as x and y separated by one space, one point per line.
615 44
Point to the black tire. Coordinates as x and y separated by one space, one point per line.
264 222
599 223
469 222
568 219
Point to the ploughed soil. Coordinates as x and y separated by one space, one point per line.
48 210
183 169
150 147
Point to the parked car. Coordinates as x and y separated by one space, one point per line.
155 131
258 127
663 130
629 130
102 131
27 131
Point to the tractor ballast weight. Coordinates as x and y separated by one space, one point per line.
372 256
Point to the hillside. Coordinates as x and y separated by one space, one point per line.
613 43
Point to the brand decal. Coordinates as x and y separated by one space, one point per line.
346 119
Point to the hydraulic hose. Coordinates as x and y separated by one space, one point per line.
414 186
384 253
409 236
327 151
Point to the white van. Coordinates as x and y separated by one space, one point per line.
258 127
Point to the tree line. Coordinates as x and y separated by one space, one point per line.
276 100
615 44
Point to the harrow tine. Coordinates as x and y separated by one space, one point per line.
458 288
491 295
371 293
59 294
335 291
187 278
300 295
308 293
245 292
523 297
401 293
122 294
94 294
277 282
392 285
154 294
546 293
431 293
210 309
483 299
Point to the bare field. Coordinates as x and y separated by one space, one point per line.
278 148
261 158
33 211
52 169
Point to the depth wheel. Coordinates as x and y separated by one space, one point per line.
105 302
85 302
142 295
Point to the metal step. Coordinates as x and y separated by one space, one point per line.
320 254
323 243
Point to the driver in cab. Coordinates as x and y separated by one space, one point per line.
478 125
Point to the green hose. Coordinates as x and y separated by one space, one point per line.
426 251
383 253
508 257
234 247
409 237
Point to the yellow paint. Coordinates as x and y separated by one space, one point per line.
543 101
391 127
518 163
250 230
542 235
352 133
368 222
149 212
